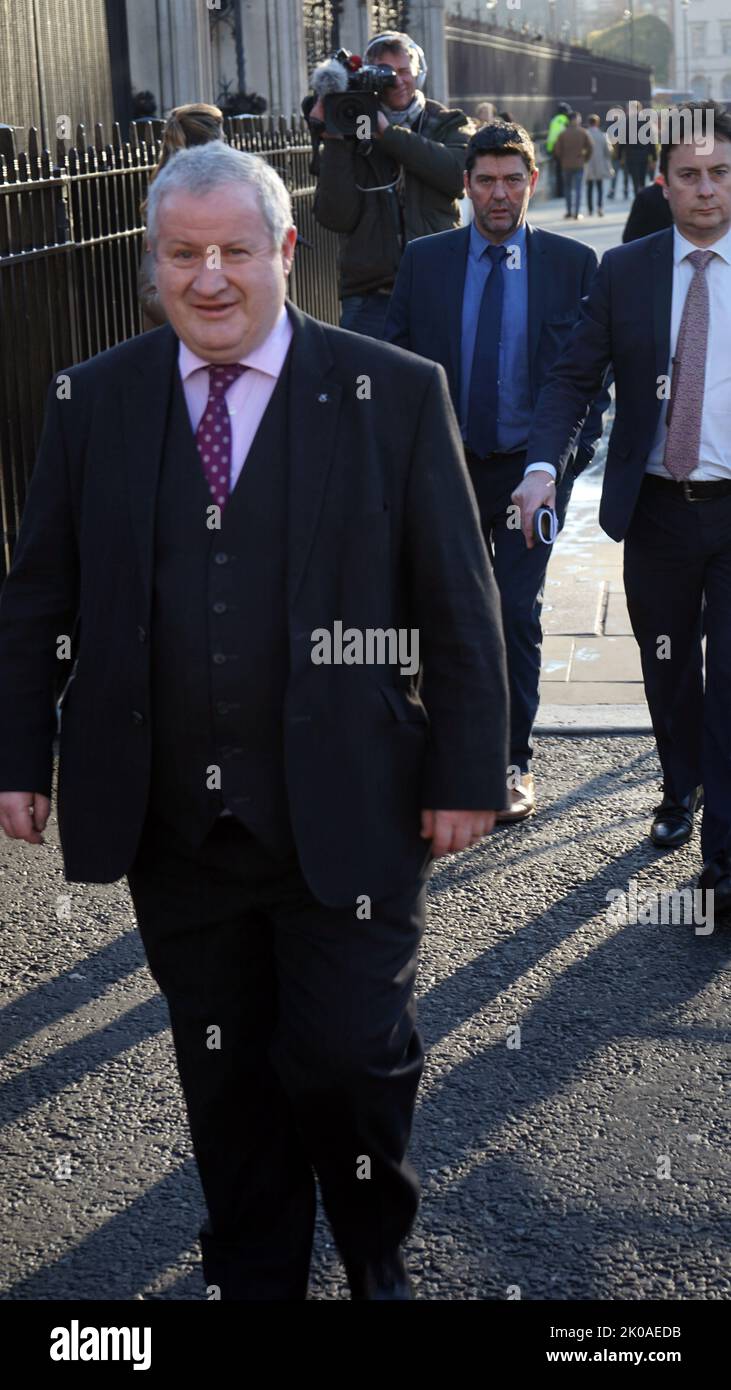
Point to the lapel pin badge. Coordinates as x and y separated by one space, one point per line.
323 397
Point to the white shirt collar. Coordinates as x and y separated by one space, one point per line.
682 247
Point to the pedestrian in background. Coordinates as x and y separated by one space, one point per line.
557 123
573 150
598 167
484 114
194 124
638 159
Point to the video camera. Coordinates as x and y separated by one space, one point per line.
350 89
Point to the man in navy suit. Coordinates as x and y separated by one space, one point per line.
660 314
497 336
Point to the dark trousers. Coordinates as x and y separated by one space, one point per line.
676 554
592 184
315 1065
365 313
573 180
638 174
520 574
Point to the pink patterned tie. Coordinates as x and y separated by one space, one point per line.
213 435
682 446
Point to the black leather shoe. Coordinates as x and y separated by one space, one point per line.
384 1278
716 878
673 820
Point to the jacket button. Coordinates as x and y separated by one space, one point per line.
220 607
221 707
218 658
138 717
142 634
221 558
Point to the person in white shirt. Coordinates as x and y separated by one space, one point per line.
659 315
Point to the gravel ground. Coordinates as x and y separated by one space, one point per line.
591 1161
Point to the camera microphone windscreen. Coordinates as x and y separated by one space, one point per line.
328 77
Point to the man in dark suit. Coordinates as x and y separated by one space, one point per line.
257 520
494 304
660 314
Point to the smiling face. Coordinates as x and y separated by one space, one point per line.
221 313
400 96
500 188
698 188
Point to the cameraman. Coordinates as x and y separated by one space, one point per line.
402 184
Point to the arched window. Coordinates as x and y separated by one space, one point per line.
700 87
726 86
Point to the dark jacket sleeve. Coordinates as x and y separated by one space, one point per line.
338 202
577 377
398 322
436 159
649 213
633 227
456 604
593 426
39 604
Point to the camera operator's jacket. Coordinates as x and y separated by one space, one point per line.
374 225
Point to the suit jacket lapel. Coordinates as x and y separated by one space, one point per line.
144 416
455 269
662 299
534 246
314 408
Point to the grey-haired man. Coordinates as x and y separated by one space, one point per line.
208 498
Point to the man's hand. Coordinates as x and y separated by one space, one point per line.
318 114
450 831
537 489
23 815
382 124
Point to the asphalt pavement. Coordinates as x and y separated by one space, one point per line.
585 1156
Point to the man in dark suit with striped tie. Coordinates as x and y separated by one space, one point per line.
660 315
239 538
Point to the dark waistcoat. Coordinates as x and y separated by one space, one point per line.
219 635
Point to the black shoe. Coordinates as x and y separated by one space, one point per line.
384 1278
673 820
716 878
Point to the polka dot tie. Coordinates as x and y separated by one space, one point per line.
213 435
682 446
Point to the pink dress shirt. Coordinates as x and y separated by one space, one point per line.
250 394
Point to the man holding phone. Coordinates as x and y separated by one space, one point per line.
495 303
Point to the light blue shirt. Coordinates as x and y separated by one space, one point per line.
514 399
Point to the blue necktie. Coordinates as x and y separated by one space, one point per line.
482 405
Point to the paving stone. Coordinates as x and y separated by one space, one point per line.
605 659
556 660
617 623
592 693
